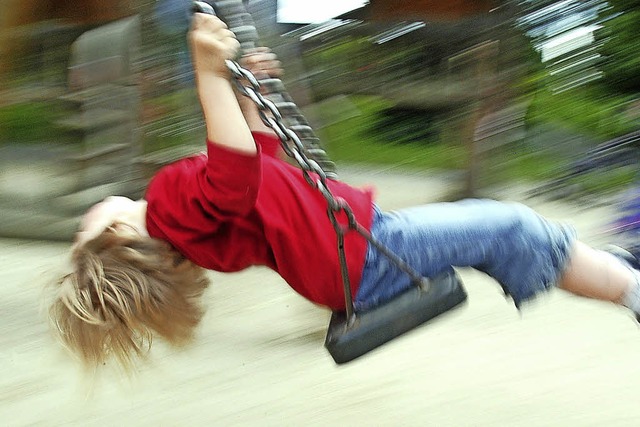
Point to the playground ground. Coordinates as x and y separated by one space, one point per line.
259 358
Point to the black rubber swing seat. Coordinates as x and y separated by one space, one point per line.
348 339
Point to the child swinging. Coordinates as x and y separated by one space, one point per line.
139 267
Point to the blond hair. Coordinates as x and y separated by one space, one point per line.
122 291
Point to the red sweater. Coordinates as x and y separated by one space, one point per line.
227 211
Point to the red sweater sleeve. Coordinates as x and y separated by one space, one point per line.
269 143
231 180
194 196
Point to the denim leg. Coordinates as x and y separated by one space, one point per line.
523 251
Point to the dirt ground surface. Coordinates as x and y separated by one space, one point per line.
259 358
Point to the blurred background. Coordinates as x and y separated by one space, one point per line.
95 96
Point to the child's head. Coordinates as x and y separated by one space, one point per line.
124 287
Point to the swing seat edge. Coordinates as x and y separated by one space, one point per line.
373 328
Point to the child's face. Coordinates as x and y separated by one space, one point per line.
125 215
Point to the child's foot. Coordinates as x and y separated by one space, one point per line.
631 299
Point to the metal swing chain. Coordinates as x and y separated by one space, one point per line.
293 147
236 15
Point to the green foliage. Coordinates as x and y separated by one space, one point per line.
520 161
354 140
587 109
176 120
405 125
609 180
622 5
337 51
621 47
29 122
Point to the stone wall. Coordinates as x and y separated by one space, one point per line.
44 188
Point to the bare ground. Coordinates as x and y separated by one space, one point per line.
259 358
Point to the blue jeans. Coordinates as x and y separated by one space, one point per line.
520 249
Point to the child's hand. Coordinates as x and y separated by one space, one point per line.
211 44
262 63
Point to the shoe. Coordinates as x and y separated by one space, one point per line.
633 261
624 254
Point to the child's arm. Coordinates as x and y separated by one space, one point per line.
211 44
263 64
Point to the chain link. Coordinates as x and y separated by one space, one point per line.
290 142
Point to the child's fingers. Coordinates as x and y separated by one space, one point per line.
210 36
263 62
256 50
204 45
230 42
204 21
255 58
210 26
